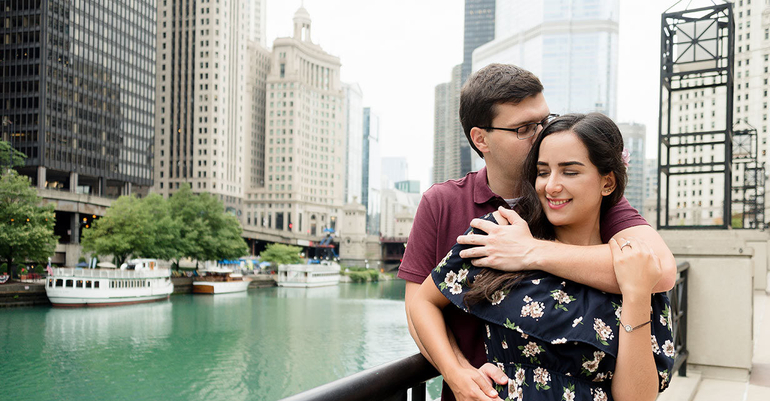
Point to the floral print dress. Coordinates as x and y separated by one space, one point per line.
555 339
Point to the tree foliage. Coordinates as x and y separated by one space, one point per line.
207 232
185 225
281 254
26 227
121 232
7 152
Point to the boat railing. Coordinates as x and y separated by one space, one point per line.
111 273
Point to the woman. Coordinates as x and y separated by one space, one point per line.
553 338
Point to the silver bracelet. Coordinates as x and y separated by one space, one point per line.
628 328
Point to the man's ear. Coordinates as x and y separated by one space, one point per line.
608 184
479 138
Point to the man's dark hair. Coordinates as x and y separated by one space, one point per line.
492 85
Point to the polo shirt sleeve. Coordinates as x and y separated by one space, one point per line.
420 253
620 217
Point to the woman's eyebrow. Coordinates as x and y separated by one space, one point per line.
571 163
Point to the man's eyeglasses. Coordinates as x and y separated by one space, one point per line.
527 130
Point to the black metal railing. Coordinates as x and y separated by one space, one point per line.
678 297
389 382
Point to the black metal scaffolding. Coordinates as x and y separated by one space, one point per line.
697 50
748 204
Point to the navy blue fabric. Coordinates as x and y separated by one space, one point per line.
554 338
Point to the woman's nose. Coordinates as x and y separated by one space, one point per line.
553 186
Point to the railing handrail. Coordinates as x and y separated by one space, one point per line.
678 297
61 272
378 383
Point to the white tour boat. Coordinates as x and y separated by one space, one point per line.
309 275
219 281
138 281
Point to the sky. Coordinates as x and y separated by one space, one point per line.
399 50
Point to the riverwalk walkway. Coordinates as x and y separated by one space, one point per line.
694 387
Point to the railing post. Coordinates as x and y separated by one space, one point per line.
683 320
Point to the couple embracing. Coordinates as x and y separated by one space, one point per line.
555 292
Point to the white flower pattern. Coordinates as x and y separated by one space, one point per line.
668 349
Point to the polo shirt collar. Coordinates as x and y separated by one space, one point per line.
481 192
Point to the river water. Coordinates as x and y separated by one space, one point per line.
264 344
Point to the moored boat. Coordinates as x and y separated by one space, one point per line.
309 275
219 281
138 281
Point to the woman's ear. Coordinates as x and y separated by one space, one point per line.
608 184
479 138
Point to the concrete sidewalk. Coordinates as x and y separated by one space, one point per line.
757 388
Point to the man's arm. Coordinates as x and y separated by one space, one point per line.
411 289
511 247
467 383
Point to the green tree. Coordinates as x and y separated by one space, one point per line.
207 232
7 152
26 228
281 254
120 232
161 228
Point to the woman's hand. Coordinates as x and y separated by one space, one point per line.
637 268
468 383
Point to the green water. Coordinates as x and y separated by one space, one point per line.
261 345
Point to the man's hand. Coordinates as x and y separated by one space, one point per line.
508 246
472 384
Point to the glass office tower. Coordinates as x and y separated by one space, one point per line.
78 91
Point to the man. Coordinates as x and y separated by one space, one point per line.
502 109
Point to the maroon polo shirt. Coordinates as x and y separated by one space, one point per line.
444 213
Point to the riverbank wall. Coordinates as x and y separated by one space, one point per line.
22 294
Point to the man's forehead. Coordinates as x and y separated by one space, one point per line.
530 109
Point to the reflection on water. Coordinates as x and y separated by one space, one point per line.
263 344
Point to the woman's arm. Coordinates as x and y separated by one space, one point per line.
467 383
637 270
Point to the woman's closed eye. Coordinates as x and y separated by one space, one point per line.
543 173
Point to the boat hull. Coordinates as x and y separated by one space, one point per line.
76 302
312 284
220 287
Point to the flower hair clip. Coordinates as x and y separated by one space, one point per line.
626 155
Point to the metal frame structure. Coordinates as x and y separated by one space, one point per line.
749 192
697 54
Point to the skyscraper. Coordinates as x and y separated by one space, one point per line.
209 98
78 83
634 138
354 133
452 155
571 45
371 182
478 28
451 151
305 142
80 105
